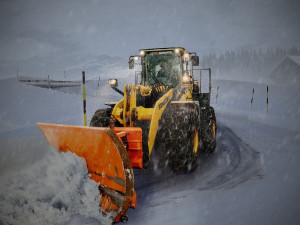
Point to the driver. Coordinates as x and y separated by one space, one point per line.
167 75
163 72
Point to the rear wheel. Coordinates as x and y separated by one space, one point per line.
208 130
101 118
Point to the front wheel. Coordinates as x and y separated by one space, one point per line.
179 135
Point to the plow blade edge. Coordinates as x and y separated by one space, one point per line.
107 161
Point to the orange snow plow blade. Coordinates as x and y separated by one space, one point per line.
106 158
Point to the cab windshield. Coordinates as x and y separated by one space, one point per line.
163 68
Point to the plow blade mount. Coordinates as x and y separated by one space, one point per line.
107 161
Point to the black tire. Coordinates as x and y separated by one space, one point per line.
101 118
178 145
208 130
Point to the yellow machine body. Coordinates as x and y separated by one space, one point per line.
126 111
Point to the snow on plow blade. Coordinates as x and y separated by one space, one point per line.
107 161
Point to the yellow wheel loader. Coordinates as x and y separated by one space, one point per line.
163 117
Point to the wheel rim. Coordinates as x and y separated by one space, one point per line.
195 142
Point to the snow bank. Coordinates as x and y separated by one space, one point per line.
49 191
24 105
234 99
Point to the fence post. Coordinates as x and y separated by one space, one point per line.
267 98
252 99
98 83
217 94
84 97
48 82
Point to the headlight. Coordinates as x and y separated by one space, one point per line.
186 78
177 50
136 58
186 56
113 82
142 52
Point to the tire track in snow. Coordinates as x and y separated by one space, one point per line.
241 164
232 163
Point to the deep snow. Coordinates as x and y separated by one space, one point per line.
252 178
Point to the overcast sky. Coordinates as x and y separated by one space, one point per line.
42 30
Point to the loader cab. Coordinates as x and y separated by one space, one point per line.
161 67
164 66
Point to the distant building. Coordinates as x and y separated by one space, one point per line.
287 72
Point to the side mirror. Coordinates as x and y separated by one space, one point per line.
195 60
131 63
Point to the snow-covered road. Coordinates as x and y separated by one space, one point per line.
168 198
251 178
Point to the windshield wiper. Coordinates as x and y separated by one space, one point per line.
154 78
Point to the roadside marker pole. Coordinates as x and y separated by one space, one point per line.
48 82
98 84
252 99
267 98
84 97
217 94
